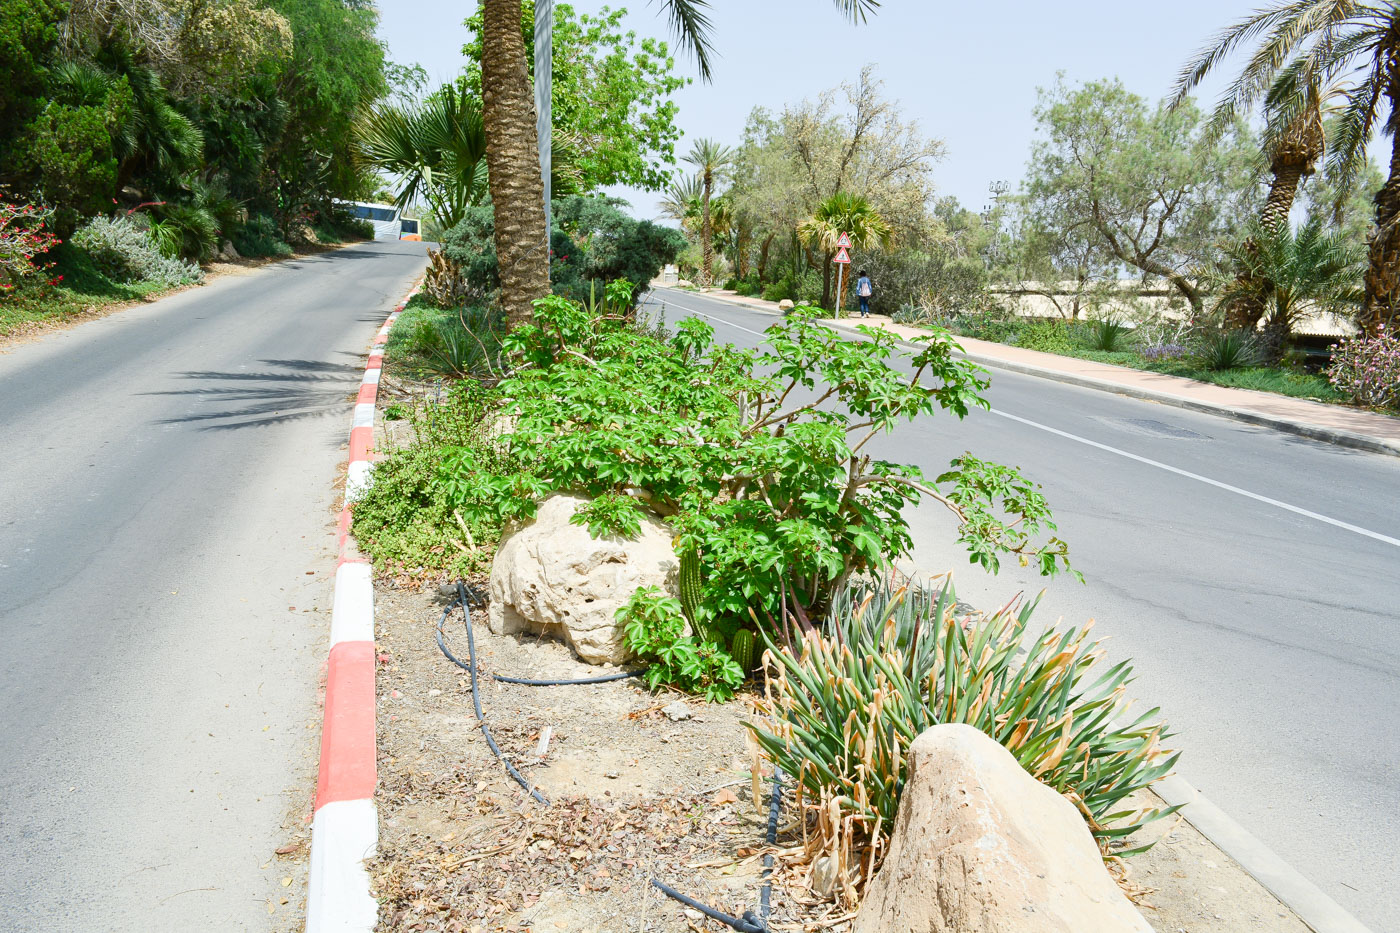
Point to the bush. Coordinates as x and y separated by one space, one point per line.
68 152
260 237
1046 336
1368 369
780 290
846 703
593 241
465 345
124 252
1107 335
24 238
1225 349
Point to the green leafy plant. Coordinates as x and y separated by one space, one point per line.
654 627
893 660
1046 336
260 237
1225 349
1107 334
396 411
121 249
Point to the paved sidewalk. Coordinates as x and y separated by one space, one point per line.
1336 424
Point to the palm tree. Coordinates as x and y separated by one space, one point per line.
508 108
1312 269
437 149
712 161
682 202
841 213
1306 44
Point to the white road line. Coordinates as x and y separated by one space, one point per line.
1347 526
1336 523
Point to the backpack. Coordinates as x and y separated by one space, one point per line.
863 288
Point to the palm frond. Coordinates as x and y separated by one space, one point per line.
690 22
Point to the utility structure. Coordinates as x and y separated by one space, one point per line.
544 109
842 260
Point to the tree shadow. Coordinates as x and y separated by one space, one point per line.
284 391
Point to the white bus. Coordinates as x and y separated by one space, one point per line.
388 221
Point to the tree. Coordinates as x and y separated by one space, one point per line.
1313 269
1147 184
1305 43
517 190
841 213
711 161
611 95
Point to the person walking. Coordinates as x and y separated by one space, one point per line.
863 292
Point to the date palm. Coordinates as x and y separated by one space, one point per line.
711 161
508 107
1305 44
841 213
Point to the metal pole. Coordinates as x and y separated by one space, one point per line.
544 110
840 268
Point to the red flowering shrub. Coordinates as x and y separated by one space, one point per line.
24 238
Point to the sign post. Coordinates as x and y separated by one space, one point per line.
842 260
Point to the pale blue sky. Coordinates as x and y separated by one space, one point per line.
966 72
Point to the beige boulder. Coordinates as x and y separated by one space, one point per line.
553 577
980 846
785 305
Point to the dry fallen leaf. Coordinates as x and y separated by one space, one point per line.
725 796
287 881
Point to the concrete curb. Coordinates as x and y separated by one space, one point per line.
1338 436
345 828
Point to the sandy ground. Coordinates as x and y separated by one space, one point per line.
633 795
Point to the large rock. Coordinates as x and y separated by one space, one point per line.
785 304
980 846
553 577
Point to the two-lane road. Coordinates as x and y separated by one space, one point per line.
1253 576
166 530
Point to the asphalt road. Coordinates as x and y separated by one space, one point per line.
166 550
1252 575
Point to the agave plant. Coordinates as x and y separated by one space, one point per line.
893 660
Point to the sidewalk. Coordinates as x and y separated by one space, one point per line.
1336 424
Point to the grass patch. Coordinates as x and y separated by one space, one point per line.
84 289
1280 381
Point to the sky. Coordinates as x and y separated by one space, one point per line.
966 72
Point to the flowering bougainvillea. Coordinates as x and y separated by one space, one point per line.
24 238
1368 369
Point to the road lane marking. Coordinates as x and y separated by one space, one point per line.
1297 510
1347 526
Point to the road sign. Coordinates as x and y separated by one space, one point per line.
843 242
842 255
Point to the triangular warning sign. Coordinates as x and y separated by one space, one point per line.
843 242
842 255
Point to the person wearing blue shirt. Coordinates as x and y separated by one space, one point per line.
863 292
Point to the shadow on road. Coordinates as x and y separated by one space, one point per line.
288 390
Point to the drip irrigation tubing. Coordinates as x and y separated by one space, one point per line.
749 922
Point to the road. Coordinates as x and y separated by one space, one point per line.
166 548
1253 576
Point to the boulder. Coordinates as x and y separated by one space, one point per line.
684 283
785 304
553 577
980 846
227 253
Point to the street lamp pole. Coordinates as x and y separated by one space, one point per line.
544 110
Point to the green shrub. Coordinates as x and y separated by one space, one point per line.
122 250
1368 369
1107 335
654 628
1217 351
468 344
68 152
1046 336
780 290
846 703
260 237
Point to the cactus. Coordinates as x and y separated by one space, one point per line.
688 583
741 649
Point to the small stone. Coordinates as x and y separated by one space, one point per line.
677 711
610 774
447 589
824 876
434 692
694 914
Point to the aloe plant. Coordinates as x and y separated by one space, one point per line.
893 660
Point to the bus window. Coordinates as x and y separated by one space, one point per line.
408 230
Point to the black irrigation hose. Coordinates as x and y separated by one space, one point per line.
470 668
749 922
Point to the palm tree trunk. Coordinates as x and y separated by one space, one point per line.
512 161
1245 312
763 257
742 245
707 238
1381 307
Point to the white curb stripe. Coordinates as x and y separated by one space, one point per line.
364 415
358 477
371 377
352 613
343 835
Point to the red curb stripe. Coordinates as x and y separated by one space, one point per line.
360 441
369 391
347 735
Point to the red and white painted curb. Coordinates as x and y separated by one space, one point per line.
345 829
